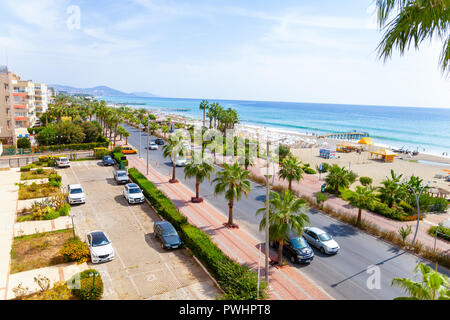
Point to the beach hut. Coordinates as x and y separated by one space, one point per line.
366 140
386 155
327 153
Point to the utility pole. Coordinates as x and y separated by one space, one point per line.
148 137
267 215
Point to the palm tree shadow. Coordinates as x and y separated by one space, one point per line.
340 230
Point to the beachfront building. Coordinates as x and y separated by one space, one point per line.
7 123
41 98
23 104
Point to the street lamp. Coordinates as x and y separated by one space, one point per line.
140 135
148 136
417 196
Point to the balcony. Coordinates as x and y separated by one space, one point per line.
20 118
20 106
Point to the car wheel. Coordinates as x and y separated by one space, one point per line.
162 246
293 259
322 250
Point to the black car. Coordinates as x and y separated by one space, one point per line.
297 250
167 234
159 141
108 161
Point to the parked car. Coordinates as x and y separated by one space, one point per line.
121 176
180 161
108 161
133 193
321 240
167 234
296 249
63 162
129 150
99 246
159 141
153 146
76 194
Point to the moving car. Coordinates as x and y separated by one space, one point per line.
121 176
296 249
76 194
108 161
99 246
62 162
153 146
133 193
167 234
159 141
321 240
129 150
181 161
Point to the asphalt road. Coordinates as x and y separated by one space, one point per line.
348 275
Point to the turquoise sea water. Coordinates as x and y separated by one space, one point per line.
427 129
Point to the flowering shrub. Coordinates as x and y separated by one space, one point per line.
75 250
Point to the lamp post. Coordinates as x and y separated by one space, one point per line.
148 137
435 238
417 196
267 215
140 136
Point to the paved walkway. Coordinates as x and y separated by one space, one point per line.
61 272
8 200
39 226
287 283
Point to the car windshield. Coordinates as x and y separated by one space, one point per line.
135 190
63 159
75 191
107 158
121 174
298 243
168 230
99 239
324 237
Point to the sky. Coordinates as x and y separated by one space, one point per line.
291 50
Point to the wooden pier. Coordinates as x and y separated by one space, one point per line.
346 135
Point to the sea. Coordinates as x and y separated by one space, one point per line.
426 130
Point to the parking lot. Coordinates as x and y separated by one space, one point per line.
141 268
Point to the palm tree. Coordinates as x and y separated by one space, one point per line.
286 213
339 178
391 191
233 181
414 21
126 134
200 171
204 105
362 198
165 130
173 149
290 170
434 286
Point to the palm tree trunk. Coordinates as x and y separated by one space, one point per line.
173 171
280 252
197 188
358 221
230 212
290 185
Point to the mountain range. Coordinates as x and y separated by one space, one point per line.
103 91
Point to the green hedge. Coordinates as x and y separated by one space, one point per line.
444 233
118 156
77 146
237 281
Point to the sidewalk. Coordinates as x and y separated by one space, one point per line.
8 199
40 226
62 272
287 283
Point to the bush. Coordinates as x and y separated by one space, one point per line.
64 210
60 291
23 143
118 156
51 214
324 167
444 233
86 291
365 181
321 197
438 205
309 170
75 250
25 169
39 171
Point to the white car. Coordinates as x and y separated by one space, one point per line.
76 194
62 162
321 240
153 146
180 161
133 193
99 246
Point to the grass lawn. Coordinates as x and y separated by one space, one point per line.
38 250
36 191
30 175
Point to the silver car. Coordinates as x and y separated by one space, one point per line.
121 176
321 240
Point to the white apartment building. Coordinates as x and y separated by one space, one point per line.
41 98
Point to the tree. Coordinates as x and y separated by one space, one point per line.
23 143
126 134
290 170
175 147
407 22
286 213
91 131
361 198
200 171
165 130
204 105
339 178
391 191
152 127
365 181
283 152
233 182
434 286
